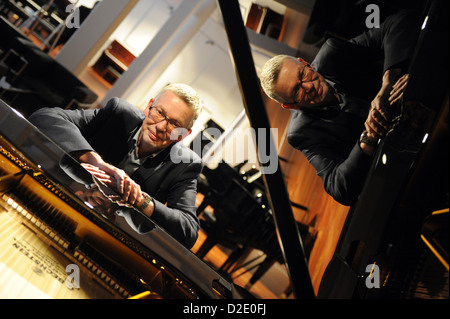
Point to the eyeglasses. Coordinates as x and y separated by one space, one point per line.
158 116
304 75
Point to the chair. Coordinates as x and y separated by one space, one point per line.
45 82
235 212
213 183
240 223
15 63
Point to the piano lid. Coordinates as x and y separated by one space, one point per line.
288 234
407 181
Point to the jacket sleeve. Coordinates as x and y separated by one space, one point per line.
179 215
395 39
343 175
64 127
342 179
71 129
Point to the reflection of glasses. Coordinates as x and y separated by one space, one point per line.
304 76
158 116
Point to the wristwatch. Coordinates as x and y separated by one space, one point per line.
364 139
147 201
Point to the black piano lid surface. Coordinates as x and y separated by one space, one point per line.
407 181
46 155
387 185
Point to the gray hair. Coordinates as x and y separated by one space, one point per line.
269 75
188 95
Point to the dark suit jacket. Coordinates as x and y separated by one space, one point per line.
170 177
330 138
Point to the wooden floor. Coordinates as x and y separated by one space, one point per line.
305 188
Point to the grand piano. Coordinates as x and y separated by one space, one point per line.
59 239
49 232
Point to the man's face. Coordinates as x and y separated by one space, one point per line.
301 86
174 112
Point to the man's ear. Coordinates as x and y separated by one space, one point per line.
303 61
179 134
185 134
147 108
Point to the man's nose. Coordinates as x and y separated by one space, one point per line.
162 126
308 86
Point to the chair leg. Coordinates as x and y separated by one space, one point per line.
235 259
288 291
202 206
209 243
262 269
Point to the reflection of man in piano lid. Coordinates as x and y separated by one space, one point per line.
94 198
343 103
138 154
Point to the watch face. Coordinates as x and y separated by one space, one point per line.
147 201
365 140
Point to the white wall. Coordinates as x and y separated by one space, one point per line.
142 23
204 63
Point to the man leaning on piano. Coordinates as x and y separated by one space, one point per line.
138 155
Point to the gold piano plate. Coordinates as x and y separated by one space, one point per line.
33 269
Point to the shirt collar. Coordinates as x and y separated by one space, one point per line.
133 146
